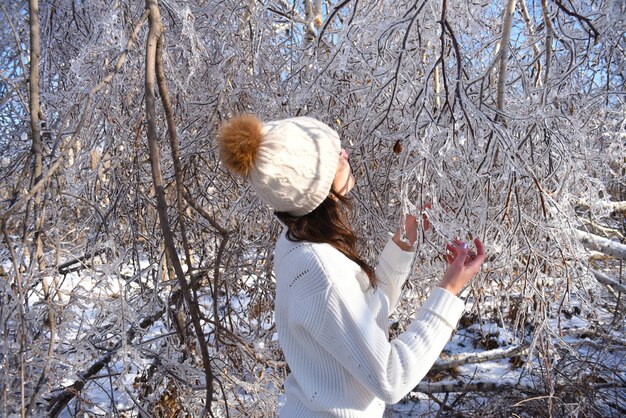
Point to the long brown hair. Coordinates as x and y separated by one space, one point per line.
329 224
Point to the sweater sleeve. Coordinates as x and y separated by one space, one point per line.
393 268
389 369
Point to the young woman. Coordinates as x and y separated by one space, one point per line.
331 307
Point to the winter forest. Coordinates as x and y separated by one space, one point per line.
136 275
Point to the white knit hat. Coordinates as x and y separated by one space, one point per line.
291 163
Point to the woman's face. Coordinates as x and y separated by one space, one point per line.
344 180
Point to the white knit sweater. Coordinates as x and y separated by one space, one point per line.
333 328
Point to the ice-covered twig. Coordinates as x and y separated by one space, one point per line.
64 268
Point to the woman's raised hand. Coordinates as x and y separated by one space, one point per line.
464 264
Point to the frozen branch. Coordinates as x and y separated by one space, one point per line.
220 252
18 45
582 19
178 174
330 17
597 229
37 170
317 13
64 268
619 207
309 27
33 98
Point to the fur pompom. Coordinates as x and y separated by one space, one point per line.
239 141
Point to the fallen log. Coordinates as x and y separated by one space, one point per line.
448 362
65 267
604 279
603 245
619 207
476 386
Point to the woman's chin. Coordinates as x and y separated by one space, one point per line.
347 186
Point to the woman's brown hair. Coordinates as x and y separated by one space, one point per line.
329 224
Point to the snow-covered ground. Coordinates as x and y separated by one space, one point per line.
498 368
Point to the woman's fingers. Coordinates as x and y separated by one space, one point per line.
464 264
459 252
469 257
411 223
410 227
480 248
479 258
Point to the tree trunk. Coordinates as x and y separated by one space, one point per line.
507 22
154 34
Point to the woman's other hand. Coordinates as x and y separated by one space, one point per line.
407 242
410 230
464 264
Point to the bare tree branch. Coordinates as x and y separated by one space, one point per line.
582 19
